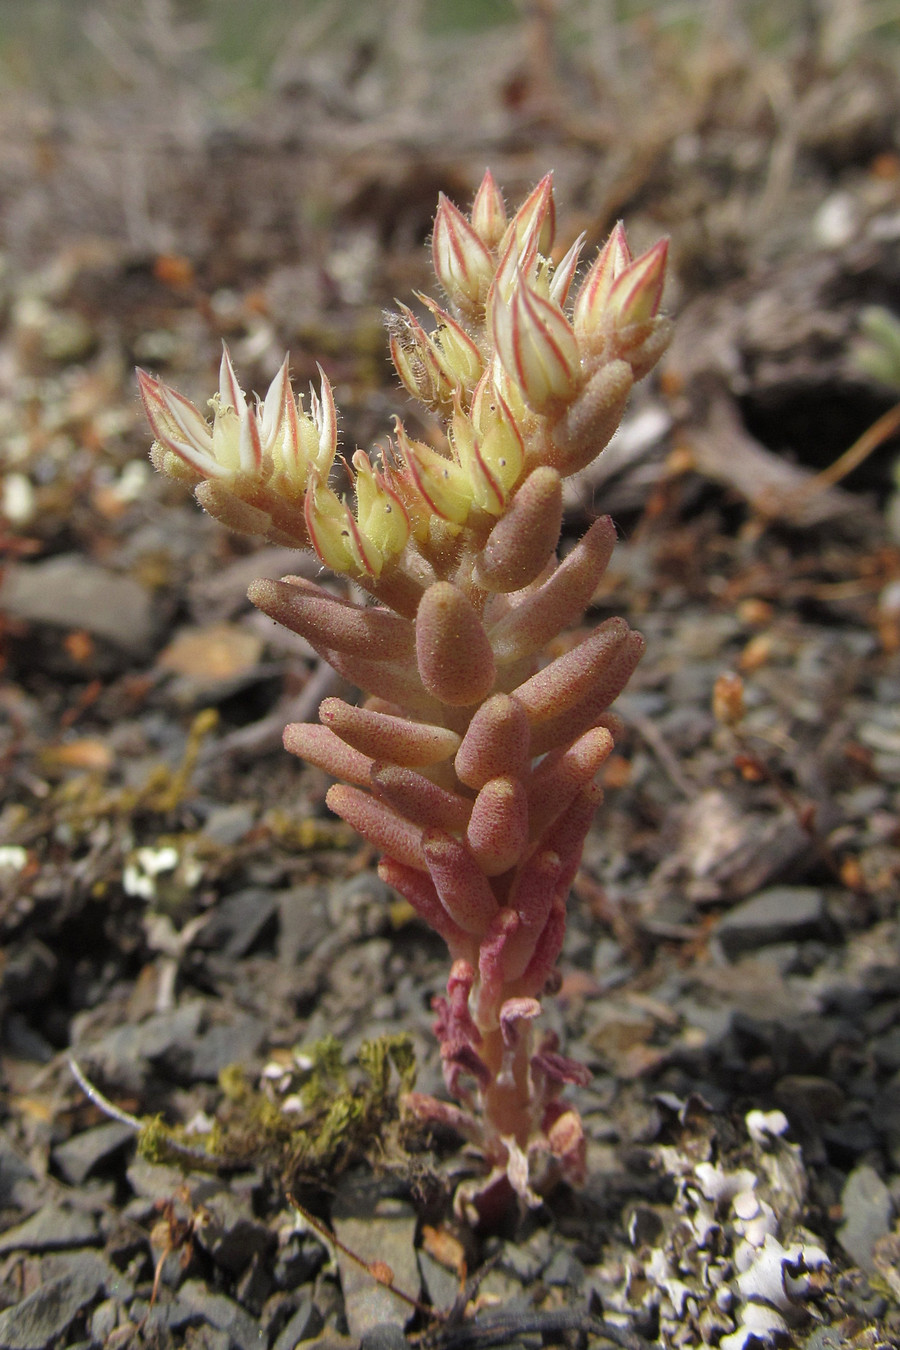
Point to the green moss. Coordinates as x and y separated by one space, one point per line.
348 1113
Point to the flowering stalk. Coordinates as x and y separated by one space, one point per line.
471 764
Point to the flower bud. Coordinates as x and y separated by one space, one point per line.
488 214
610 262
380 513
441 483
414 358
455 353
334 533
534 224
564 272
536 346
500 447
232 400
462 263
636 293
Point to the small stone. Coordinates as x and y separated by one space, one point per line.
775 915
67 592
299 1259
564 1270
384 1232
227 825
18 1183
526 1260
84 1153
125 1055
104 1320
360 906
240 922
222 1313
306 1323
51 1229
303 922
46 1314
866 1203
439 1284
28 974
236 1039
231 1235
383 1336
808 1099
255 1285
886 1050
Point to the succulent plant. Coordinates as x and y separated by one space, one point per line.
471 764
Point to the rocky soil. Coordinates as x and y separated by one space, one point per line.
180 914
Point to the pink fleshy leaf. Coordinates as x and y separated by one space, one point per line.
561 730
432 1111
497 830
455 659
330 623
560 601
418 888
560 1068
319 746
569 679
464 889
562 774
497 742
419 799
525 537
378 823
414 745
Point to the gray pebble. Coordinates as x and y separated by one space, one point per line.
81 1155
383 1336
68 592
866 1203
306 1322
51 1229
775 915
220 1312
104 1320
46 1314
229 1233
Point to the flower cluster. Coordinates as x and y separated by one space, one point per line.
471 764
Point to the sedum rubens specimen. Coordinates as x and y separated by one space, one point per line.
471 764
